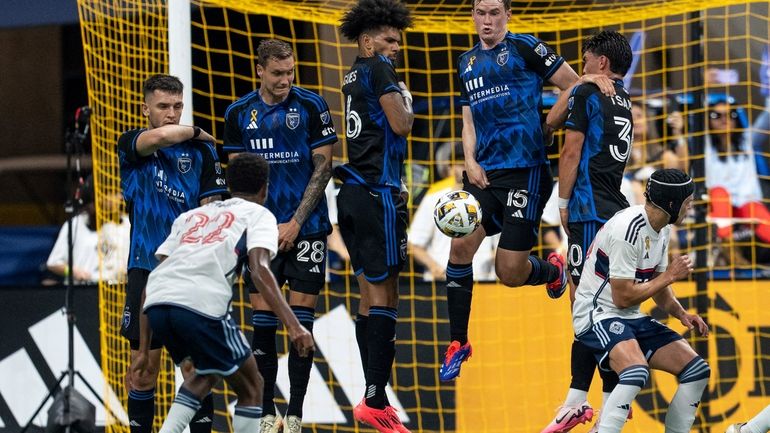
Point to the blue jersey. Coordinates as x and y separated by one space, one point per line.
608 128
158 188
285 134
375 152
503 87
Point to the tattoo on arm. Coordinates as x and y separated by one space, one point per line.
322 172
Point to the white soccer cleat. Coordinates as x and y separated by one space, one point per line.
271 424
735 428
292 424
567 417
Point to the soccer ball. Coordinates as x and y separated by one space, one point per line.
457 214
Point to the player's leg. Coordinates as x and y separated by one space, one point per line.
524 192
306 271
459 280
263 347
204 417
140 385
672 354
188 402
247 384
759 424
575 409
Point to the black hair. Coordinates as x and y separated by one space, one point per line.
374 14
247 173
612 45
87 190
667 189
163 82
273 49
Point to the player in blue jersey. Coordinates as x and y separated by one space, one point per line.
597 146
372 210
165 169
292 129
501 83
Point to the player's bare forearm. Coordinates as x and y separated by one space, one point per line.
399 115
667 301
626 294
322 172
569 161
558 114
168 135
564 77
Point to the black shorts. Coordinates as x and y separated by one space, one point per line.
129 327
303 267
373 223
581 234
513 204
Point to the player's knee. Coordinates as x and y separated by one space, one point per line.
462 250
697 369
146 379
511 274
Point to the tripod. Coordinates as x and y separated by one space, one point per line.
74 145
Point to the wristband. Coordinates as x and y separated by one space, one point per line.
563 203
407 95
196 132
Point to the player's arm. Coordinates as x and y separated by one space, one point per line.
212 179
558 113
476 174
322 172
168 135
568 167
398 110
668 302
264 280
626 293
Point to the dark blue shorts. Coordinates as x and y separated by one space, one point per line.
215 346
648 332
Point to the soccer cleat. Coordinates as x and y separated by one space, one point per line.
567 417
383 420
735 428
292 424
393 413
455 356
270 424
556 288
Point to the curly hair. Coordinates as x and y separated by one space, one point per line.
162 82
614 46
247 173
374 14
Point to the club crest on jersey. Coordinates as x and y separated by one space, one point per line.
325 117
184 163
292 118
541 50
502 58
617 328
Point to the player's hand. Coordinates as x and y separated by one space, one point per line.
680 267
476 174
603 82
302 340
205 136
287 233
139 366
694 321
548 134
438 273
564 215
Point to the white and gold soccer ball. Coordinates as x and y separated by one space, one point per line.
457 214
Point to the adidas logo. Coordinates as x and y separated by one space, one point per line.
626 406
252 125
575 273
258 352
205 419
133 423
518 214
453 284
315 269
695 405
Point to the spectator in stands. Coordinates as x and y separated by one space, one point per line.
430 247
86 245
731 173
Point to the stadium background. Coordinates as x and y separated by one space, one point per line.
521 339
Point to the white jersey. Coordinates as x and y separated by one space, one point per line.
625 248
203 250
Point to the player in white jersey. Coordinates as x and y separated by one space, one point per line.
627 264
188 295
